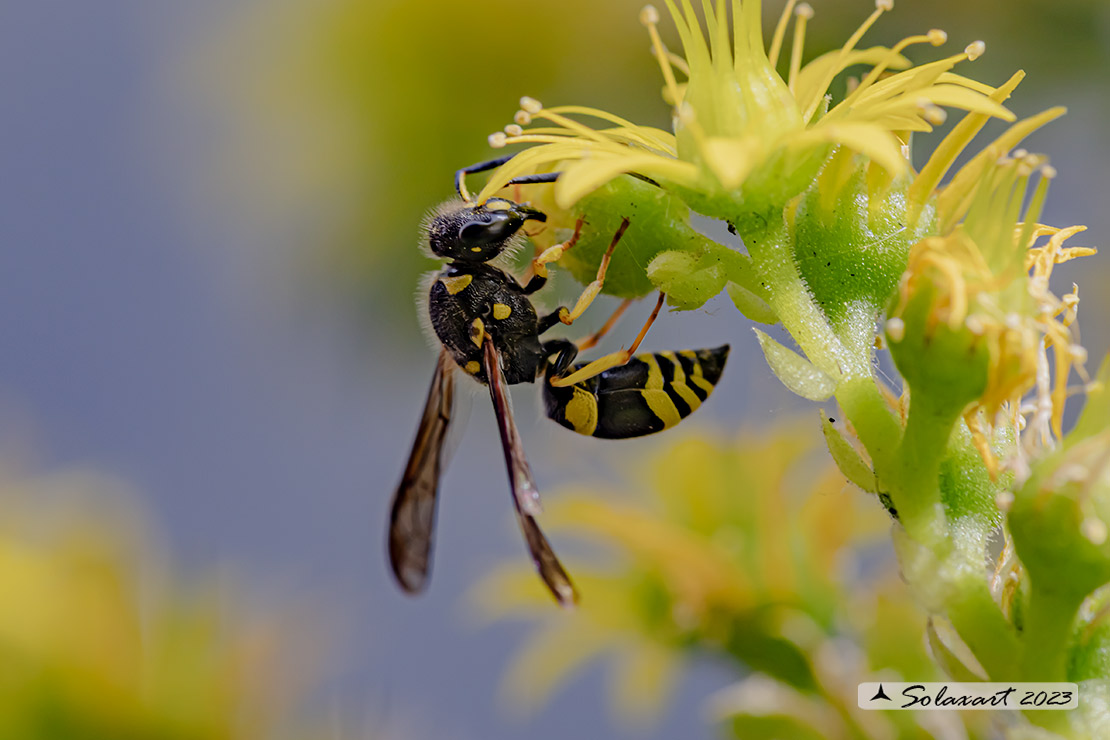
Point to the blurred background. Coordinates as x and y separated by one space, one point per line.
208 262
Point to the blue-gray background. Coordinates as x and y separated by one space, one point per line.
261 401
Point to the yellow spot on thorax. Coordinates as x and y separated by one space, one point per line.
456 284
473 367
477 332
501 311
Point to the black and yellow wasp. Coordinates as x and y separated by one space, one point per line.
489 328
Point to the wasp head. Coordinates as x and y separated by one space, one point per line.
478 233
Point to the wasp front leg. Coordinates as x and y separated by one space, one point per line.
593 289
555 253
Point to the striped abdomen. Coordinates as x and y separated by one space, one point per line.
650 393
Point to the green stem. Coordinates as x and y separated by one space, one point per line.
1046 631
907 464
878 429
1045 635
915 491
984 629
772 255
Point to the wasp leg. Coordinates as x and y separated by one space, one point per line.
544 177
560 353
555 317
553 176
593 339
489 164
601 364
553 254
594 289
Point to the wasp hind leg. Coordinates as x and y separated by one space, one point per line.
591 341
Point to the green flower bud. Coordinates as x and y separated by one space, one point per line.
946 364
851 241
688 280
1059 518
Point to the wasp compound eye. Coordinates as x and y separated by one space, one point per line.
492 227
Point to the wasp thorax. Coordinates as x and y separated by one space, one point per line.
478 233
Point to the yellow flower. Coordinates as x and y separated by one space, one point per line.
744 137
989 278
738 546
91 646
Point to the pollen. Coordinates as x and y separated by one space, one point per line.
514 130
1004 500
937 37
530 105
1094 529
649 16
896 329
498 140
804 10
522 118
933 113
884 5
975 50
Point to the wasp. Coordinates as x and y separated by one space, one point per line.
489 329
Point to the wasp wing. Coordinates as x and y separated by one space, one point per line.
522 484
413 515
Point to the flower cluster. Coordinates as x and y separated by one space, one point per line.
986 286
966 451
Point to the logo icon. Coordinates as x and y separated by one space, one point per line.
880 694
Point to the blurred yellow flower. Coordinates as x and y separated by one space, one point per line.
742 547
93 645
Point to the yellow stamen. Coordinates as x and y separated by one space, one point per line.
930 38
880 7
955 199
678 63
780 31
570 124
649 16
802 14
